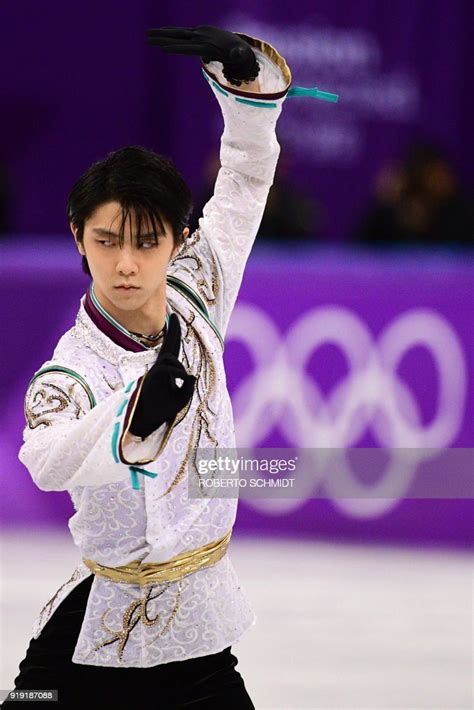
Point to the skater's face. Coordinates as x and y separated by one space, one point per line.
140 261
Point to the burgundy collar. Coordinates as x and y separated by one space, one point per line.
127 342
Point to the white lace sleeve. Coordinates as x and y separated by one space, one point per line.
69 439
214 257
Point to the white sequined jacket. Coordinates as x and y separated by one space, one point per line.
77 407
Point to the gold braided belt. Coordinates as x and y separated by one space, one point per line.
170 571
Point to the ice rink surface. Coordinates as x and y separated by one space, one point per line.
339 627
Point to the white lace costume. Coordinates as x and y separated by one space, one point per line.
77 408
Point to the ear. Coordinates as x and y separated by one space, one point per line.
80 246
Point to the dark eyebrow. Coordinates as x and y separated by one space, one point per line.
108 233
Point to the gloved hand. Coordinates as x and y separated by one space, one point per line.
160 397
211 44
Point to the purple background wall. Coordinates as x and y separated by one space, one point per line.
79 80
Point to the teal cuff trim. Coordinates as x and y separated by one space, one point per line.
192 296
216 86
114 442
134 470
67 371
260 104
249 102
133 473
134 476
182 286
122 406
144 471
313 93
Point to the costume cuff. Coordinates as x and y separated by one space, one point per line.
136 453
274 76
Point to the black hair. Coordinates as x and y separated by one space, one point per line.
143 183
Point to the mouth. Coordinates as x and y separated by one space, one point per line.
126 288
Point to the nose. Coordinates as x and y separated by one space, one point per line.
126 263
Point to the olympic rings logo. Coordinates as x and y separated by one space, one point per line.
280 393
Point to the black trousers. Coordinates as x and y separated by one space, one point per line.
206 683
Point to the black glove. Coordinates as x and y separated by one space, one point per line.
161 398
210 43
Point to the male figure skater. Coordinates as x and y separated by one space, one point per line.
130 394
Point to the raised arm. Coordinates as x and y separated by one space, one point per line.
213 259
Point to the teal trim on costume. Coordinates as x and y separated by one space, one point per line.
196 300
183 286
134 470
105 314
260 104
67 371
115 323
114 442
313 93
294 91
144 471
216 86
122 407
115 435
129 386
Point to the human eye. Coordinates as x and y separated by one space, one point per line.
148 245
105 242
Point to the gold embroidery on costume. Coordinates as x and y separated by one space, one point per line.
205 387
174 611
202 284
135 612
39 401
49 605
